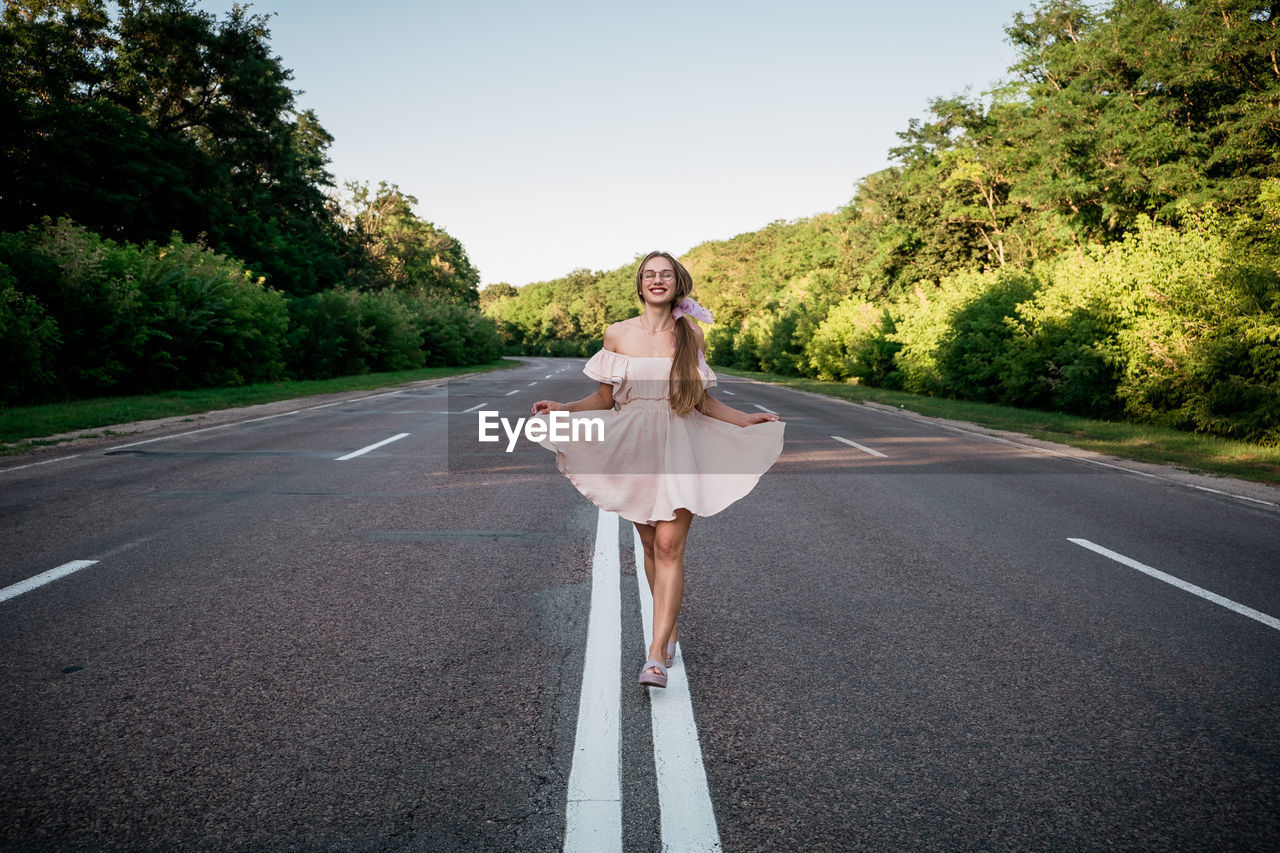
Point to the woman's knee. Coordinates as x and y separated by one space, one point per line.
667 548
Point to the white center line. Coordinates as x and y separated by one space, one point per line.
861 447
476 406
509 393
362 451
531 384
684 800
43 578
763 409
593 811
1269 621
726 391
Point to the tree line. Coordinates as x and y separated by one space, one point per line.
1096 235
167 218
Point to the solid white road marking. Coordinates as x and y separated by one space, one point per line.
45 462
362 451
1045 451
43 578
349 402
593 811
1232 495
684 801
1269 621
763 409
476 406
863 448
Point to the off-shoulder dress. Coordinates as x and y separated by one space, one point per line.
651 461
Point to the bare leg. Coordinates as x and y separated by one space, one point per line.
668 578
647 533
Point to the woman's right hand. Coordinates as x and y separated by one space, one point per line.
543 406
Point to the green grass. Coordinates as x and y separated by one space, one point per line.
1139 442
27 427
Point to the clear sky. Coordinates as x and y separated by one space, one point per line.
547 136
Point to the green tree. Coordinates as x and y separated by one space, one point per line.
194 117
1144 105
402 251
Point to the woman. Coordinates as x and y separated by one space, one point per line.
670 450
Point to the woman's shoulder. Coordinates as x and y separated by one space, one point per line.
615 334
625 337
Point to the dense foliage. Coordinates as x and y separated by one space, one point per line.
168 219
93 316
1097 235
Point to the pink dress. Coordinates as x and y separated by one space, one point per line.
650 461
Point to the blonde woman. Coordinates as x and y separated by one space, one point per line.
670 450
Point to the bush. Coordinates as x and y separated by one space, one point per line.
326 338
29 342
453 334
1065 362
89 287
974 352
720 340
211 323
853 342
345 332
114 318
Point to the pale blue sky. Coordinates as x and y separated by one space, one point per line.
554 135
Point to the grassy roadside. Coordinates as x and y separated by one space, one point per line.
1138 442
27 427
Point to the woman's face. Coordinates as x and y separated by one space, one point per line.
658 281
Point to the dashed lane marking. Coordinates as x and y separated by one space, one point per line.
210 428
43 578
1269 621
861 447
362 451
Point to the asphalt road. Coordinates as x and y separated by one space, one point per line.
278 650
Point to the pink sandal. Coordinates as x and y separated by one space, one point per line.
653 679
671 655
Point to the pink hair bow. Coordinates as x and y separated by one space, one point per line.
693 309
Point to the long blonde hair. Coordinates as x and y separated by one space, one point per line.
686 382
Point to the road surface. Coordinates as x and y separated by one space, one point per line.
908 637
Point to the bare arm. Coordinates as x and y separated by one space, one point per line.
713 408
601 399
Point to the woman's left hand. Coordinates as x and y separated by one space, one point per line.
754 418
